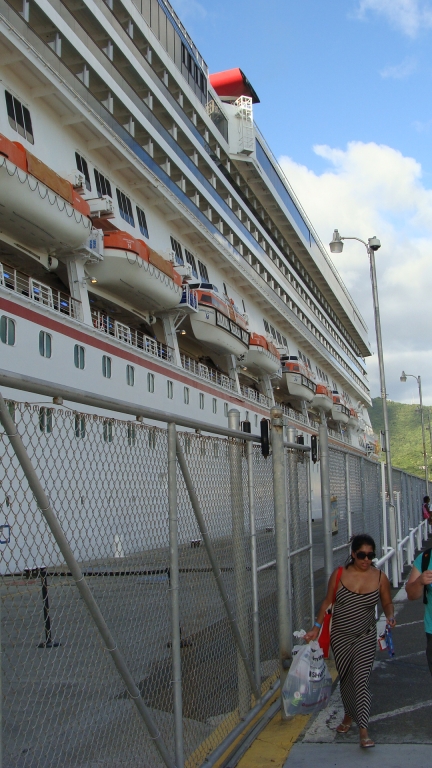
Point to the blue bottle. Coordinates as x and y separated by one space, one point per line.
389 640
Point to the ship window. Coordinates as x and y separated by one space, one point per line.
142 222
203 272
191 260
82 167
225 409
285 343
256 419
46 420
130 375
279 338
19 117
108 431
103 185
214 405
272 331
201 401
125 208
244 307
266 326
225 289
80 426
79 356
45 344
186 395
170 389
150 382
7 330
106 366
178 255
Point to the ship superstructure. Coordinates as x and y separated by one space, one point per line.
151 248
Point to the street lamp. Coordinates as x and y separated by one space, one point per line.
403 378
372 245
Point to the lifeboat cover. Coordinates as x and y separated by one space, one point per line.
233 83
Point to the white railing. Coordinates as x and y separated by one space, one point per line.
406 548
130 336
39 293
256 397
207 373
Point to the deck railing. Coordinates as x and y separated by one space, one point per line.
137 339
206 372
254 396
40 293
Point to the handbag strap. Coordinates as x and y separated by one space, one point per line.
338 578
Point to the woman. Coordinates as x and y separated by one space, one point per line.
359 585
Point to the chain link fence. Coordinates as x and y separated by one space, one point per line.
209 549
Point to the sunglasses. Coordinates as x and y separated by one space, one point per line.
364 555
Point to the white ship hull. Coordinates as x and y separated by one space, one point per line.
214 336
322 402
259 360
297 389
339 415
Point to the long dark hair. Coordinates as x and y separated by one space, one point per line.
357 543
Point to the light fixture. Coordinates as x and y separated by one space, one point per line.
403 377
336 245
93 280
244 368
183 333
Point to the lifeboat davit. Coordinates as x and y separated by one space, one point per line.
353 420
38 207
137 274
298 379
262 356
340 412
218 324
323 398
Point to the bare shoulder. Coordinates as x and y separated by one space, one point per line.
384 580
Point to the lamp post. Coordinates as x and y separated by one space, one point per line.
403 378
372 245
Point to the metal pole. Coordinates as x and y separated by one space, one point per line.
325 497
348 496
215 568
254 566
82 586
309 514
384 515
294 540
175 597
425 456
392 516
238 549
281 530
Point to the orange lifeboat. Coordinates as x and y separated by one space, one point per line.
298 379
37 206
323 399
340 412
136 273
218 324
262 356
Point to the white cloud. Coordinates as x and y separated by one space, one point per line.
190 9
407 15
366 190
400 71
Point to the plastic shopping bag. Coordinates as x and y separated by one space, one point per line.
307 687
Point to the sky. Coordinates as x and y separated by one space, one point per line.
345 90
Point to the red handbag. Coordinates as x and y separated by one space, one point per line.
324 635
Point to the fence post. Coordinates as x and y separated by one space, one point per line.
238 545
325 497
348 496
309 514
281 530
294 539
384 515
254 565
175 596
81 584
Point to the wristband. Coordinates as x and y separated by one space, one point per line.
317 624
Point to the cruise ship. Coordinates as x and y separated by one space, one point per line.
151 248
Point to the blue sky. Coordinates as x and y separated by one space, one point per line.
345 89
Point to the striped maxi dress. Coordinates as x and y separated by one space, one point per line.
354 643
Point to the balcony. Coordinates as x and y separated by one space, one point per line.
254 396
39 293
206 373
128 335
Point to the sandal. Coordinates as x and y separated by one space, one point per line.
366 742
343 727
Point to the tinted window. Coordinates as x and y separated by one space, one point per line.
175 245
103 185
142 222
19 117
203 272
82 167
191 260
125 208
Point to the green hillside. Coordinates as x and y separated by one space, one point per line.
405 434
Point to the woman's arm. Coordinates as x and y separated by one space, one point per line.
386 600
314 632
416 582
